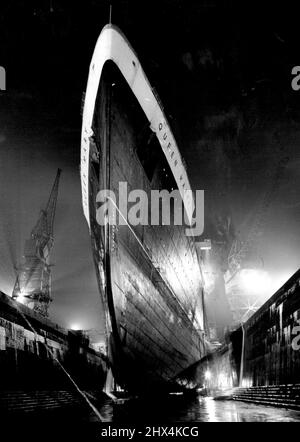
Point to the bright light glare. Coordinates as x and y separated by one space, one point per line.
75 327
207 374
205 245
255 281
21 297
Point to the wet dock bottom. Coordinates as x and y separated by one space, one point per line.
175 412
199 409
82 424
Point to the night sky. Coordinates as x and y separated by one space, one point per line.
223 72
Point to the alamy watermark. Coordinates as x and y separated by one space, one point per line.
162 208
296 339
2 79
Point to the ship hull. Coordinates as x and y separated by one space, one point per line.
148 275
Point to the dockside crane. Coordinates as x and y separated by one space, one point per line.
33 282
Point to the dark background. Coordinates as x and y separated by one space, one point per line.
223 72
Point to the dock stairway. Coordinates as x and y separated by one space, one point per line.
287 396
36 401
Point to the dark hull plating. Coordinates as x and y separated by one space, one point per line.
149 276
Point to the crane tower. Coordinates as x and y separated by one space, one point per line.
33 282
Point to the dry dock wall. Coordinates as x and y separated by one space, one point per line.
272 339
268 345
25 362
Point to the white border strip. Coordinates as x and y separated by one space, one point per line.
112 45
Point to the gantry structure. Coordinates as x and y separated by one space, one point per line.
33 282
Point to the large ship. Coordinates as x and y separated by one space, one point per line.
149 275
